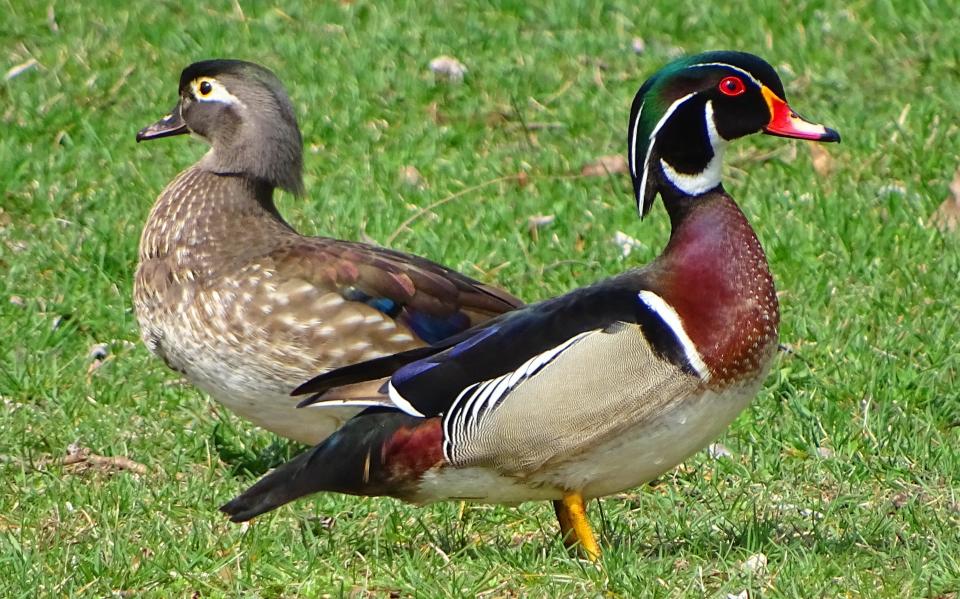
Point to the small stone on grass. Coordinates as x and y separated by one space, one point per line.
754 564
449 68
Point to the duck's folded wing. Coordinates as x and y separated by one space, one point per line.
488 362
422 297
360 372
565 402
486 350
433 376
436 289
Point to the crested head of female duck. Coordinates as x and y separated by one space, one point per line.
242 110
683 116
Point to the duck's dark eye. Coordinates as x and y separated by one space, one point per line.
732 86
205 88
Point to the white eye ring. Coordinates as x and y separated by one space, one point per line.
208 89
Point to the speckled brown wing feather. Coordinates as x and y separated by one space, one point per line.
363 272
311 304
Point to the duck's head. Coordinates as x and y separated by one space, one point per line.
683 116
242 110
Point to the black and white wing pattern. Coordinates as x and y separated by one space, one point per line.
500 355
469 377
478 399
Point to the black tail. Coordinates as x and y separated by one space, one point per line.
349 461
288 482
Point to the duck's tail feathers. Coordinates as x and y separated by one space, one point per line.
372 454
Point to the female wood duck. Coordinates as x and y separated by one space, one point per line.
228 294
598 390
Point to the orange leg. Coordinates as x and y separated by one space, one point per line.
574 526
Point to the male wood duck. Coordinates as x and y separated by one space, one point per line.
228 294
598 390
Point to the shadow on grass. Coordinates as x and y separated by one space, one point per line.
246 456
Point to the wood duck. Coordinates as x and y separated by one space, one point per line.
598 390
227 293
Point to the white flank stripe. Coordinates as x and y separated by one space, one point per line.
709 177
465 395
399 401
478 401
501 389
633 142
515 377
481 397
482 391
672 319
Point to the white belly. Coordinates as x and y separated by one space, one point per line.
278 413
255 388
252 376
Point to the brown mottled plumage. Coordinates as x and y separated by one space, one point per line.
227 293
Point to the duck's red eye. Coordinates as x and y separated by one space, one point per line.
732 86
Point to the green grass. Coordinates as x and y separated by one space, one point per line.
844 472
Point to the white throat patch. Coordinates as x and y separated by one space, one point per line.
698 183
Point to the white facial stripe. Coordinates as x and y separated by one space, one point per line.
716 141
729 66
666 115
669 316
218 93
401 402
633 146
709 177
653 134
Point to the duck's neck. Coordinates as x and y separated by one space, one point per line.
223 214
715 275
